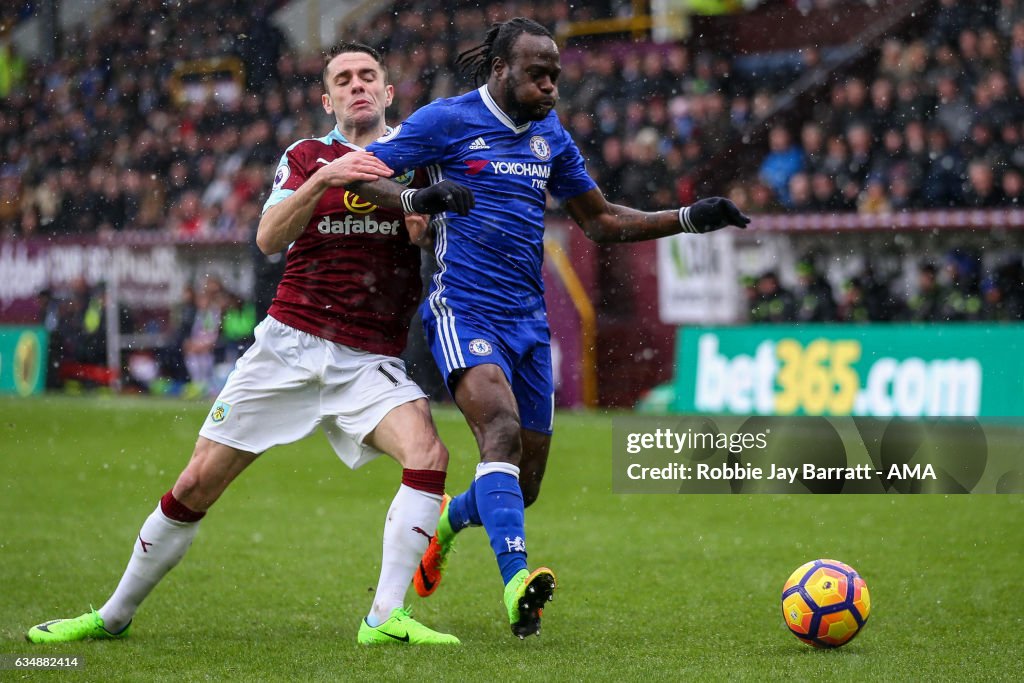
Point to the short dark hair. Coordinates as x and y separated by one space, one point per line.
343 47
476 62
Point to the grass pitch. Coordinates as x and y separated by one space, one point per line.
651 587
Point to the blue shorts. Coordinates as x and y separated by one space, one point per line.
521 347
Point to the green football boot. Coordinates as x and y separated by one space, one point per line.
88 626
525 597
402 628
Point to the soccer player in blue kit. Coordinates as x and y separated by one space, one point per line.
484 317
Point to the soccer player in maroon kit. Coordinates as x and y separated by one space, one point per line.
326 356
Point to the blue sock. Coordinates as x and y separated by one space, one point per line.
499 502
462 510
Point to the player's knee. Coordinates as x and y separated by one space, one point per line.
186 488
192 489
432 456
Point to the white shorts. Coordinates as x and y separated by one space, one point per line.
289 382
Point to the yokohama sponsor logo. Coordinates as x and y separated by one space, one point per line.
356 225
521 169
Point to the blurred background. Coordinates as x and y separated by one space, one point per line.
876 144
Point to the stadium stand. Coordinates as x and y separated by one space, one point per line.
919 127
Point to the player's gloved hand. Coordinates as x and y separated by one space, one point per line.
445 195
708 215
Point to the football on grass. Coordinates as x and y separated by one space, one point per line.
825 603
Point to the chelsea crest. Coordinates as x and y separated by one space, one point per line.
539 147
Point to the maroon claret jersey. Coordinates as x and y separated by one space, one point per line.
352 276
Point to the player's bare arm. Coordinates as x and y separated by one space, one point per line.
445 195
603 221
284 222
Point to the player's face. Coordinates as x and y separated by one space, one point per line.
529 81
357 94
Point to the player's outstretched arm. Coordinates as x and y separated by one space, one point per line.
283 222
603 221
445 195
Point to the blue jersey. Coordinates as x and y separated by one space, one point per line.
490 260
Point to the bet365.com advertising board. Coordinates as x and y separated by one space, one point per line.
953 370
22 360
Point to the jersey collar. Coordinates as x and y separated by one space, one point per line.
499 114
337 136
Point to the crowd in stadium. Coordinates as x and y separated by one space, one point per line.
937 124
957 289
94 142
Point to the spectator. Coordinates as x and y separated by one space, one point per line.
992 55
762 199
963 300
902 193
953 111
611 171
861 141
644 183
656 81
951 17
784 159
982 191
739 196
1012 183
925 305
878 295
826 198
774 304
11 204
1003 293
890 60
715 125
967 53
1009 14
875 198
858 107
12 69
993 301
800 198
829 114
814 299
890 156
980 143
1010 147
812 140
88 328
201 343
837 160
883 111
182 318
852 308
942 184
918 158
1016 56
911 103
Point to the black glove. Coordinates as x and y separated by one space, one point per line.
443 196
708 215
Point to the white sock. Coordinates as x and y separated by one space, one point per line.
411 521
161 544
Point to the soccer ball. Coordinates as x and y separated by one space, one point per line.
825 603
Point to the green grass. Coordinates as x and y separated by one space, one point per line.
651 587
